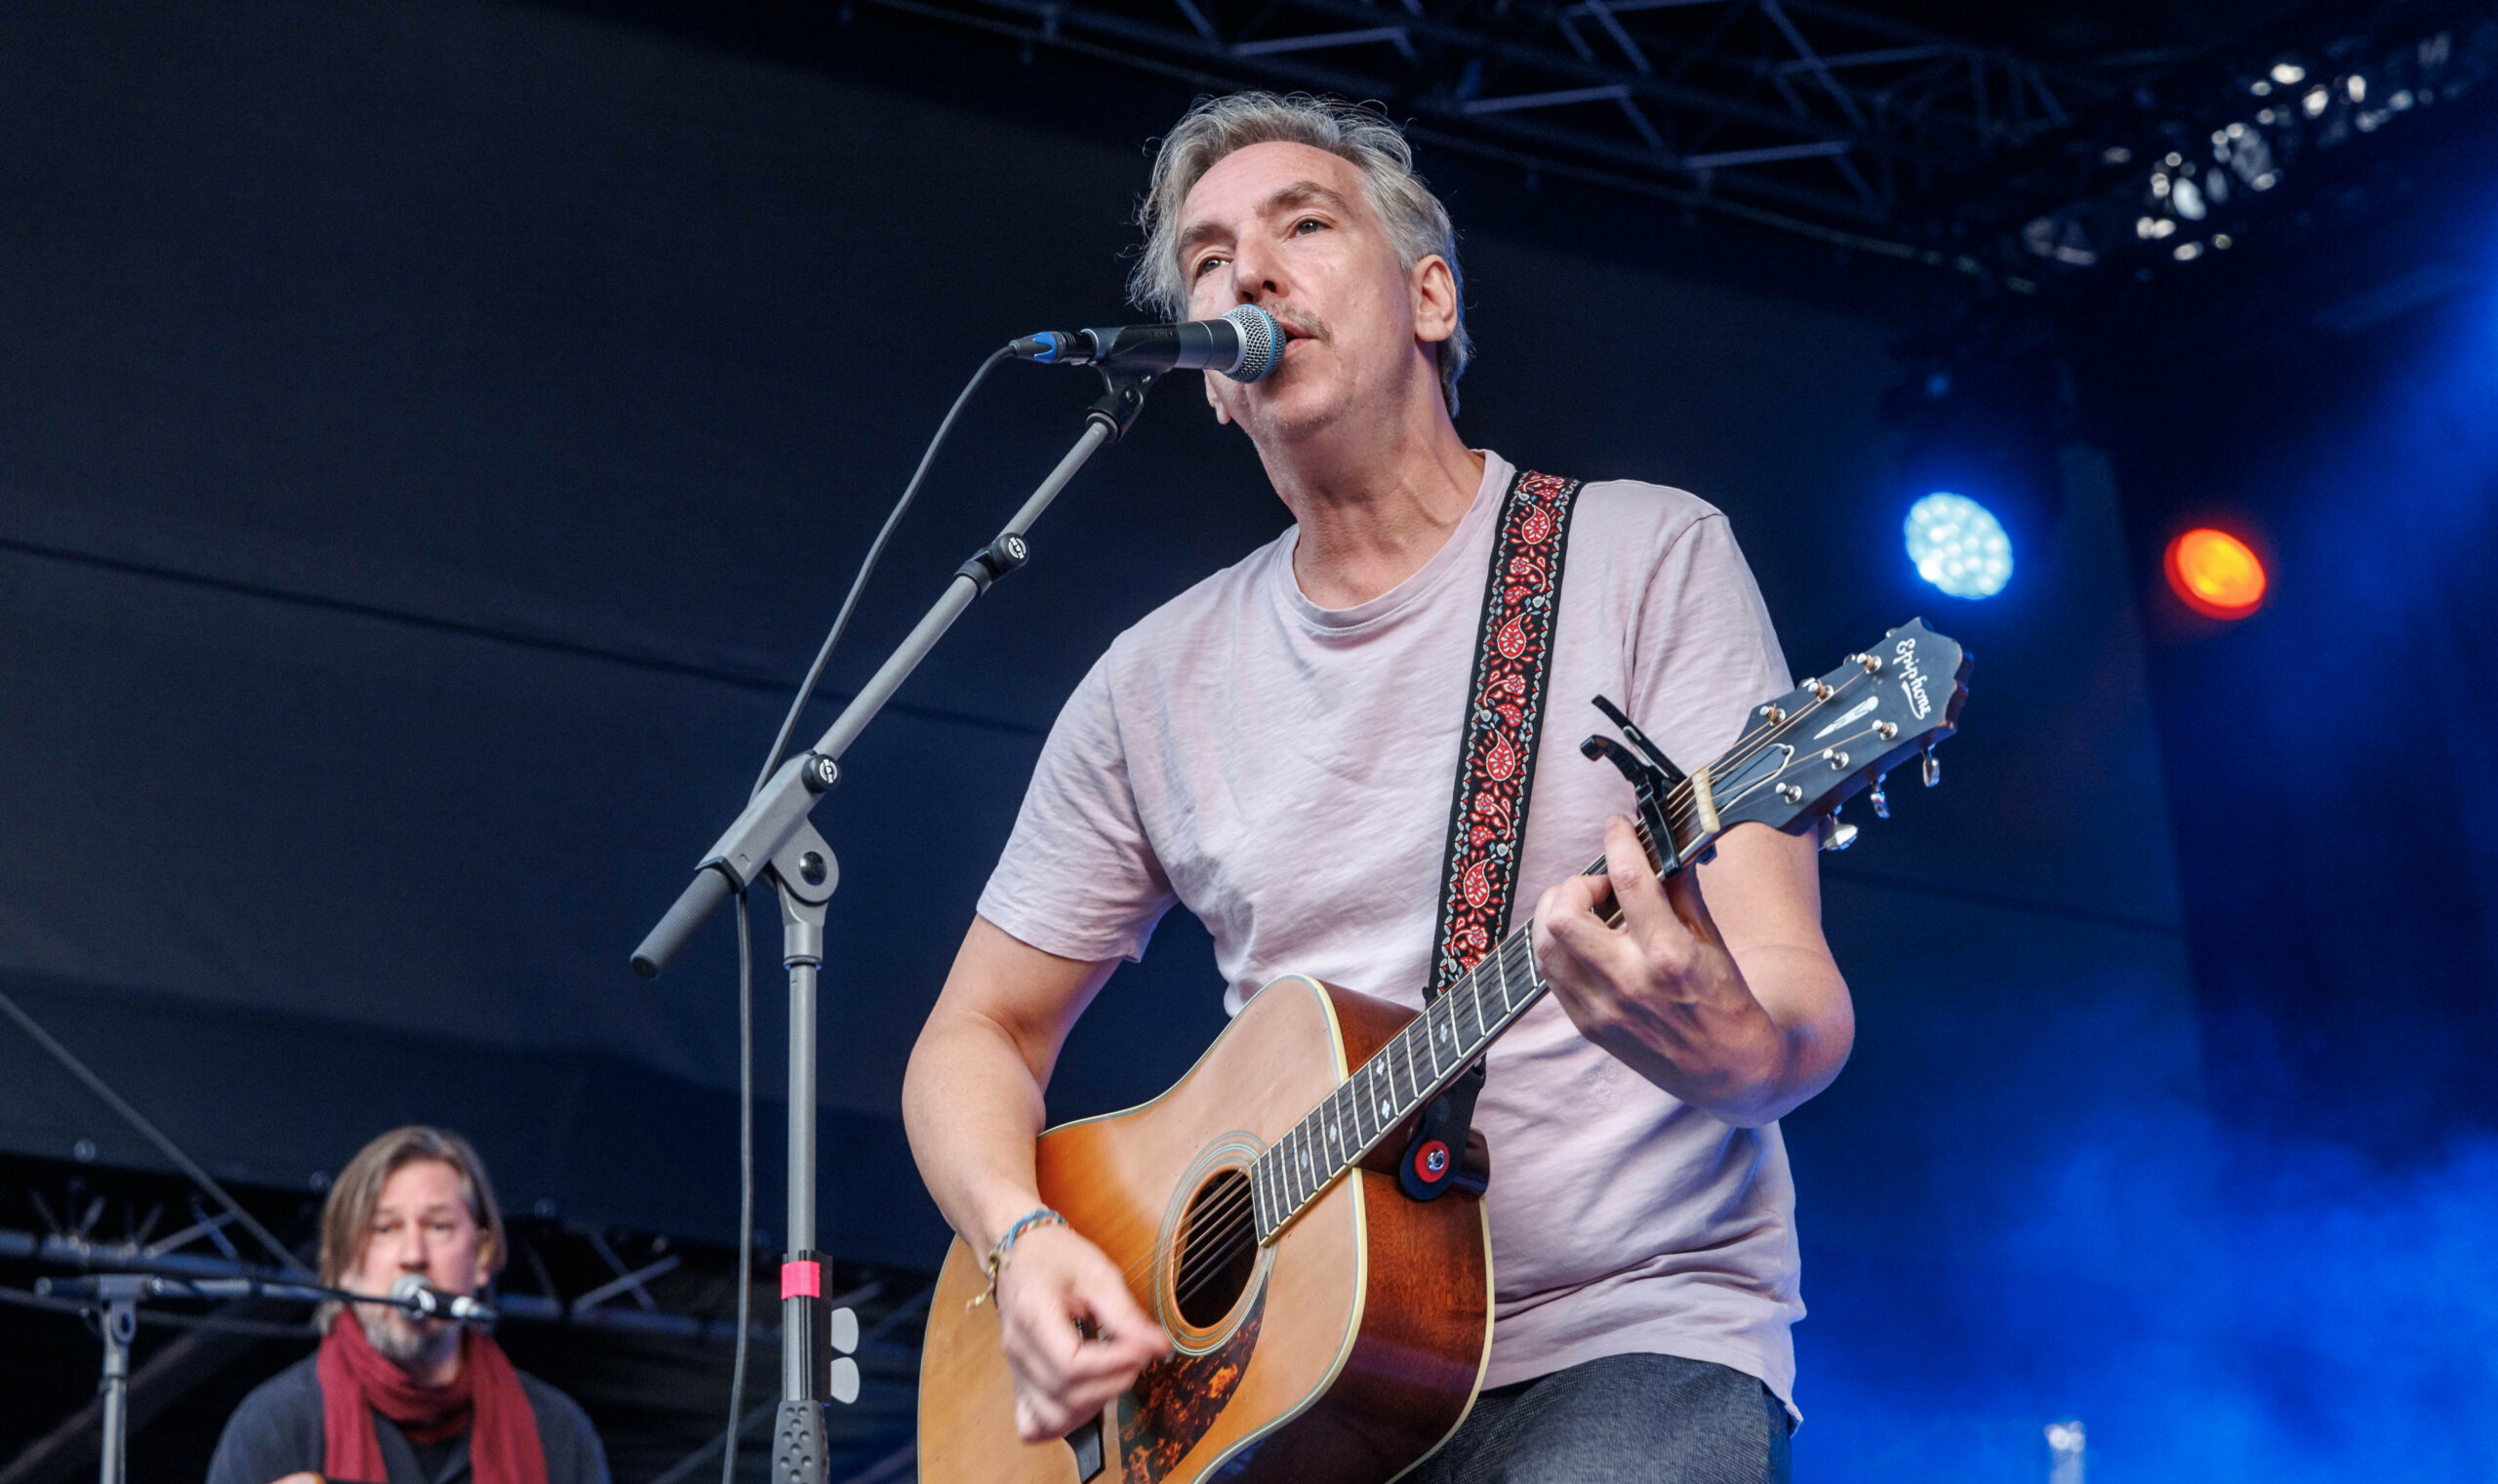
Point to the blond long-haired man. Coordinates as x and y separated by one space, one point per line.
390 1398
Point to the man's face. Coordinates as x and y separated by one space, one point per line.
423 1225
1289 229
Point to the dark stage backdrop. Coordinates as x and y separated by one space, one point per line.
432 436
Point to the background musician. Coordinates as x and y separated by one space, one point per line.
1644 1251
392 1398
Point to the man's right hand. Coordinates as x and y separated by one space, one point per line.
1054 1285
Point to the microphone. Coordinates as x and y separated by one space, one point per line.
414 1293
1245 345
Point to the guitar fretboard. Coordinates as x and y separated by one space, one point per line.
1395 1084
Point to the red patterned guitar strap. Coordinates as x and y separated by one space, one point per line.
1504 716
1495 774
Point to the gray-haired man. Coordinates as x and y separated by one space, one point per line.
1643 1228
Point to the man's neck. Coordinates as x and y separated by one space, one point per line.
1374 502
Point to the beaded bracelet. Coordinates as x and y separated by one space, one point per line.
995 1263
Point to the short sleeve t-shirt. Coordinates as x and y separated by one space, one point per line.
1284 772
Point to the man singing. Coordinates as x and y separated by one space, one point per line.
1275 748
390 1398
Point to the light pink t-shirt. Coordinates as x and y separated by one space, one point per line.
1284 771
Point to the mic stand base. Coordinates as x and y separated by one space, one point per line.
800 1453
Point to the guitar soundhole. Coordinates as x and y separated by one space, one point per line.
1218 1250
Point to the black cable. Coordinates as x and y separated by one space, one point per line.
745 1186
859 583
745 950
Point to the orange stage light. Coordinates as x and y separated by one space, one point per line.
2215 574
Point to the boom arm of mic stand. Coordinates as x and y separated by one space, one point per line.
789 795
144 1286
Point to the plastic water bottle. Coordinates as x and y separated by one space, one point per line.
2064 1442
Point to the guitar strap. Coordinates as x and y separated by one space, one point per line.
1504 717
1505 693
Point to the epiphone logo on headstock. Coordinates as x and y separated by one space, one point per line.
1913 679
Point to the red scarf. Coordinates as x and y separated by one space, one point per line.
484 1401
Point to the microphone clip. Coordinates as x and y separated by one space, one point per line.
1122 399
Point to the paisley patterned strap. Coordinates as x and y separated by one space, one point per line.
1504 716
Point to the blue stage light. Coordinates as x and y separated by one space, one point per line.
1958 545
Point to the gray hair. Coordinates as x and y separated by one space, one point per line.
1417 222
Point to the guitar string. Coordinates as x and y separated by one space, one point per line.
1192 1274
1199 1264
1681 808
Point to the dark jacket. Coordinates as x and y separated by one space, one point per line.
277 1432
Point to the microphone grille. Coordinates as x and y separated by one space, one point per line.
1262 342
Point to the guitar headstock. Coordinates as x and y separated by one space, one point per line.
1806 753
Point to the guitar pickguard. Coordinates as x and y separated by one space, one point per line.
1176 1401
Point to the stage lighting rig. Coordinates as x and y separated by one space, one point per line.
2206 181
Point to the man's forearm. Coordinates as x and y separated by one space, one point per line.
971 1100
973 1110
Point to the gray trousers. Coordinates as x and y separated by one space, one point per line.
1619 1420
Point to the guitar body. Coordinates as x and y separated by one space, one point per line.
1343 1352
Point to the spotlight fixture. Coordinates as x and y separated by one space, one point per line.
2215 574
1958 545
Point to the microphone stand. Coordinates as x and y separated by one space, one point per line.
117 1296
774 841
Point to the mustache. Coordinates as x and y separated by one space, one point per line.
1302 327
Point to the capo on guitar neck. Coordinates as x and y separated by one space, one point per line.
1651 775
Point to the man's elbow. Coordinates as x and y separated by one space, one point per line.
1818 1051
1813 1050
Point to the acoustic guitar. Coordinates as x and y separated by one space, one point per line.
1326 1327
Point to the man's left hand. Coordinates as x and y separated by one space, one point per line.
1660 990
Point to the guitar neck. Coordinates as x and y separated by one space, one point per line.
1416 1065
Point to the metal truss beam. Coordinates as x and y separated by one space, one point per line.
1835 114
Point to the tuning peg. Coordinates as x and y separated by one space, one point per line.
1881 800
1933 769
1840 837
